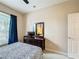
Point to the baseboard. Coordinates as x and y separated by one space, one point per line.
59 52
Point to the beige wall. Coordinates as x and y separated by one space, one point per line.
20 23
55 18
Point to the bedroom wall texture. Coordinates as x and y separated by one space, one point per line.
55 18
20 22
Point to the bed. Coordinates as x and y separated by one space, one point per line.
20 51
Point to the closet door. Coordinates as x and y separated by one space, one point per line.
73 35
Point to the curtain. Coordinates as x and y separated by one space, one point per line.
13 37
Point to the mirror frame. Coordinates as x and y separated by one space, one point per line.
41 26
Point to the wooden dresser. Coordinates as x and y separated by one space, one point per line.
37 41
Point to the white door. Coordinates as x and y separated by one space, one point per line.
73 35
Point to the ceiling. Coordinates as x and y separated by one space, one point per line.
33 5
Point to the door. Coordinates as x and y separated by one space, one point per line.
73 35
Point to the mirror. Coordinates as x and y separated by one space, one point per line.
40 29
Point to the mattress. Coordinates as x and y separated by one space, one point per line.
20 51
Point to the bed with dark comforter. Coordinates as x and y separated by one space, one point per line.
20 51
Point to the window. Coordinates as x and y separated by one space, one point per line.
4 28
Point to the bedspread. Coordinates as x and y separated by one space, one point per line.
20 51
